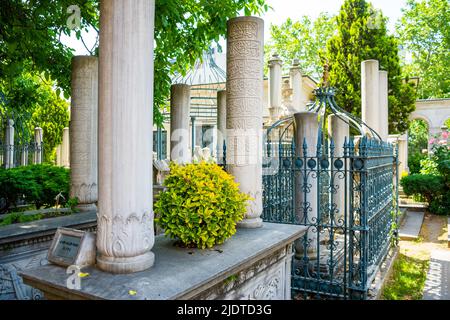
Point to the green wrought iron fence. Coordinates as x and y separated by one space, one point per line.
345 195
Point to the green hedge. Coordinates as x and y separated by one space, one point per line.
35 184
426 185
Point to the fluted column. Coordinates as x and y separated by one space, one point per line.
245 46
125 233
275 87
180 105
221 123
370 84
384 105
38 140
83 132
298 103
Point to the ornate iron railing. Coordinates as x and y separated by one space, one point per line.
346 197
20 155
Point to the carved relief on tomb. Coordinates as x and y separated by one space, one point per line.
254 208
242 30
267 279
125 236
86 193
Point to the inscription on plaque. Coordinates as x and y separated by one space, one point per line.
72 247
67 247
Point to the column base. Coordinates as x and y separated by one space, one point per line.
250 223
85 207
126 264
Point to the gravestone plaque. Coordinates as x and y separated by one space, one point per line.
72 247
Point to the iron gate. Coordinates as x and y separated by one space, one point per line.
344 195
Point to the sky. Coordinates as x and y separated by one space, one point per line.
294 9
282 9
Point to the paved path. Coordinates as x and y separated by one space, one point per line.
410 228
437 285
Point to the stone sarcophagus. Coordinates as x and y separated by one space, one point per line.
253 264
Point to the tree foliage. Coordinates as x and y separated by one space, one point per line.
305 40
31 32
30 36
417 142
31 101
362 35
424 31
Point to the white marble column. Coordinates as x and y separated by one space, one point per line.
384 105
38 140
306 209
9 143
370 83
180 105
245 47
275 87
65 149
298 100
339 130
83 132
221 123
24 156
125 233
402 145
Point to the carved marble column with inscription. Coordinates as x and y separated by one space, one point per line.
245 43
180 105
125 214
275 86
83 132
38 140
221 123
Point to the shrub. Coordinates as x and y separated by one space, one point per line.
36 184
424 184
201 205
52 180
414 162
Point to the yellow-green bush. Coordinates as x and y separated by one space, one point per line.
201 205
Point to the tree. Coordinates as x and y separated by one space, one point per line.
30 37
304 39
424 32
417 141
32 102
31 32
362 35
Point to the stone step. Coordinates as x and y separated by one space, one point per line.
410 228
414 206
